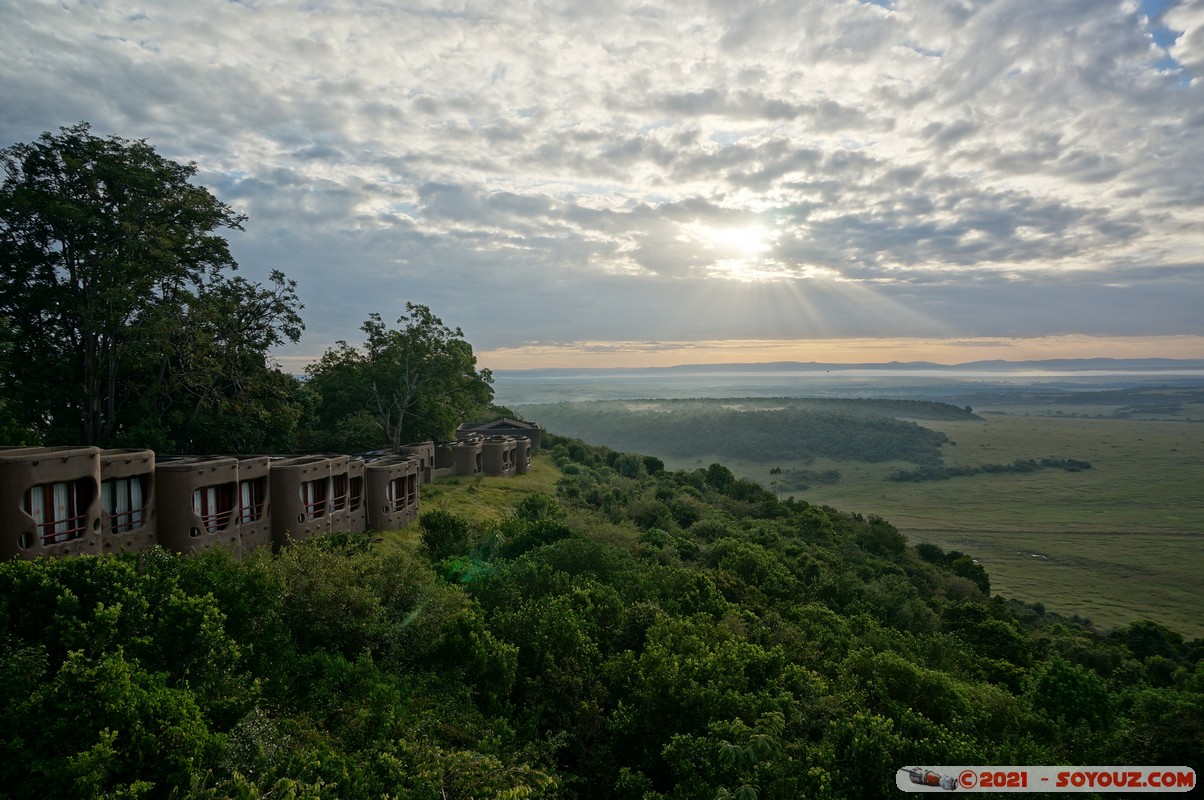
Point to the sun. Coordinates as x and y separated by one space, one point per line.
739 252
748 241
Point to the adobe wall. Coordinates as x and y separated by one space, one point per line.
522 455
197 501
254 503
67 507
300 503
94 501
128 516
467 455
357 514
498 456
391 492
425 452
338 494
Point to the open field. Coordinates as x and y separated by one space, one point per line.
478 499
1121 541
483 499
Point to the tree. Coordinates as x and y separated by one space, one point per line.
113 280
418 381
12 432
220 393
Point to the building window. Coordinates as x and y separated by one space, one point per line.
60 510
356 493
338 492
252 497
396 494
124 500
411 490
214 505
313 499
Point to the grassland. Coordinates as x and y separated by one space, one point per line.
1119 542
480 499
1116 543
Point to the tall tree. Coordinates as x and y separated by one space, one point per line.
113 276
414 382
221 394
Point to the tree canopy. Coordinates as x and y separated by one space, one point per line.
670 636
123 320
411 383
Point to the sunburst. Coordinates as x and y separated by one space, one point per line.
736 252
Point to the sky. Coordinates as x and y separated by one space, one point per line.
633 183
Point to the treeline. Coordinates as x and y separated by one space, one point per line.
799 480
122 323
761 436
1020 465
854 406
644 634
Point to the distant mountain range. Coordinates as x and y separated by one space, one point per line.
993 365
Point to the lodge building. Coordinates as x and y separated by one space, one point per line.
61 501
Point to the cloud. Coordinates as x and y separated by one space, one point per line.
560 171
1187 20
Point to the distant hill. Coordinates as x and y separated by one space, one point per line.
999 365
761 431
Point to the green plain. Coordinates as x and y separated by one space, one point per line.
479 499
1116 543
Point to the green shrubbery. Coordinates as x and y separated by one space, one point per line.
714 643
934 472
784 434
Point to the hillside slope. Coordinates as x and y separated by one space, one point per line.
635 633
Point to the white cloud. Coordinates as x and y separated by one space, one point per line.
528 169
1188 49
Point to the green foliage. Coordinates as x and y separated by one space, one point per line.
805 429
538 507
356 432
719 477
1076 700
653 465
768 649
879 537
1163 726
125 326
1145 639
443 534
1019 466
521 535
958 563
630 466
798 480
11 429
415 382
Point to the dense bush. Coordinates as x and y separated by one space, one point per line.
787 434
739 645
1019 466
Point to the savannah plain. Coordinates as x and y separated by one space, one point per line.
1119 542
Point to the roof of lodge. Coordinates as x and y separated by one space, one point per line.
504 422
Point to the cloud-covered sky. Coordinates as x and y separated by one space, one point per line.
632 182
